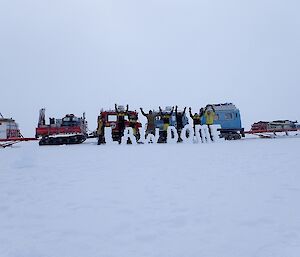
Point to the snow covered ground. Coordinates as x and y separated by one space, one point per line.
231 199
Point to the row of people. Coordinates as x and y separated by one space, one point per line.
208 112
164 115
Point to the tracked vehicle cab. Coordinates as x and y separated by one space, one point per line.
70 120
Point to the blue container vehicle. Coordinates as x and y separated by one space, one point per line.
229 118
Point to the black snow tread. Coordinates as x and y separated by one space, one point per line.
68 140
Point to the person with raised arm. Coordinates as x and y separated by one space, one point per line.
165 117
121 121
179 122
196 118
209 114
150 121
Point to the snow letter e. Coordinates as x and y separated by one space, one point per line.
215 132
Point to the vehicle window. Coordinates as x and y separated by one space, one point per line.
112 118
228 116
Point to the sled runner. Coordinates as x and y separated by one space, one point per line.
3 145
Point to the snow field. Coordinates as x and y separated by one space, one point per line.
224 199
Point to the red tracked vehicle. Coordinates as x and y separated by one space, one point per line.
65 131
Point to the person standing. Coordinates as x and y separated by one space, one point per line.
165 117
121 121
196 118
209 114
100 131
150 121
179 122
133 120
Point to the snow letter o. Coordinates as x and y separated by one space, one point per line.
187 130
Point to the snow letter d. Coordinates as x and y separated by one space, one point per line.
172 136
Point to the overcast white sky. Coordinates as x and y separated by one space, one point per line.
72 56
